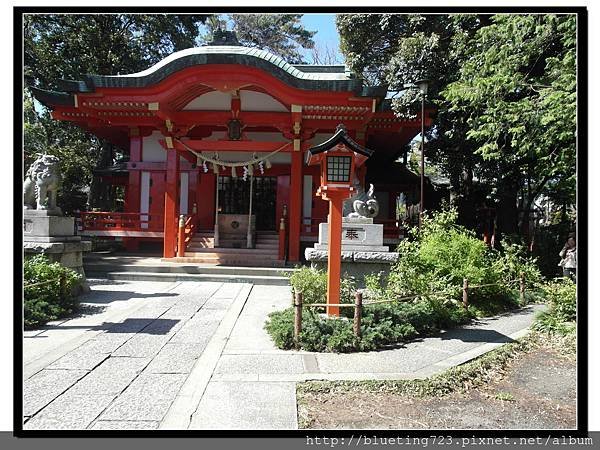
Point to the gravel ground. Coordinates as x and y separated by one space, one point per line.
537 390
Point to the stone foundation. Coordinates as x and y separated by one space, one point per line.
46 233
355 263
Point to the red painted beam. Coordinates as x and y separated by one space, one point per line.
233 146
225 77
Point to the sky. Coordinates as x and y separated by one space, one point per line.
327 34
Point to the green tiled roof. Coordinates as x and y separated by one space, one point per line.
329 78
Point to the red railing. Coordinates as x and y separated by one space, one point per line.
114 221
310 225
186 233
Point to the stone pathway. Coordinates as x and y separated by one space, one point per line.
122 368
195 355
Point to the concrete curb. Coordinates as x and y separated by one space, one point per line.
180 413
425 372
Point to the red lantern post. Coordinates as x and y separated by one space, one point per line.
339 157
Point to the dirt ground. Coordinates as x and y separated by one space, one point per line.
537 390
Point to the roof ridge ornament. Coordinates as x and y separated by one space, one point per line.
224 37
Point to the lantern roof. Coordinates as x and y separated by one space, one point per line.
340 136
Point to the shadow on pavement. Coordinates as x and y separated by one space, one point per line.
139 325
476 335
116 296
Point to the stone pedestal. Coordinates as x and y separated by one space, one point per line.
237 230
358 234
53 235
363 252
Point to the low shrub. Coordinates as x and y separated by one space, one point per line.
560 317
382 325
48 301
441 254
313 285
431 267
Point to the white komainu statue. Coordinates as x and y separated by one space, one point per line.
41 181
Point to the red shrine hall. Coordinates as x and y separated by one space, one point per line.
217 137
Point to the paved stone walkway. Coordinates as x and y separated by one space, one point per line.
194 355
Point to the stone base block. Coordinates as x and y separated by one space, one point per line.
355 233
36 224
67 253
357 248
355 264
58 239
41 212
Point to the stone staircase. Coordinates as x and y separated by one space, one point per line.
232 250
134 268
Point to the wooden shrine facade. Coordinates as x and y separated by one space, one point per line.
194 122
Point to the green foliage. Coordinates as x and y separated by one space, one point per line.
439 256
382 325
517 88
432 266
313 285
281 34
69 46
48 301
504 92
561 296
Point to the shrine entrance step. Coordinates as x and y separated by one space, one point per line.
158 269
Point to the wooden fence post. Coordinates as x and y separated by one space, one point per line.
181 237
522 288
358 313
465 293
297 319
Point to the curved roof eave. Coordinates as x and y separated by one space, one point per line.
251 57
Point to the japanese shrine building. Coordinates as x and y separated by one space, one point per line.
207 126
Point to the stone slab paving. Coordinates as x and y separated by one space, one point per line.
147 398
122 369
247 405
45 386
252 372
196 355
69 412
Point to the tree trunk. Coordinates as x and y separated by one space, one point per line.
100 192
508 214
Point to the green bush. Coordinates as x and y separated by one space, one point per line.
432 266
561 296
382 325
48 301
313 285
439 256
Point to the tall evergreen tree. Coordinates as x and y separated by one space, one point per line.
66 46
281 34
504 92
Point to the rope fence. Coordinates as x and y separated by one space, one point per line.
62 279
358 305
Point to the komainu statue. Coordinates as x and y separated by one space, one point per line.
364 205
41 181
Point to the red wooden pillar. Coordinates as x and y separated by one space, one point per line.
295 210
205 201
171 210
133 190
334 259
